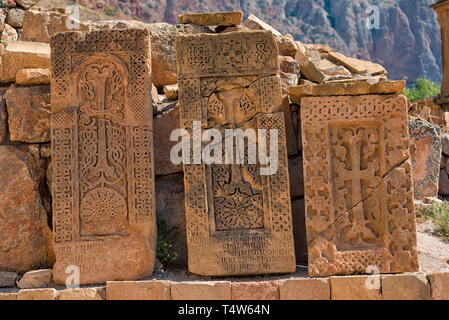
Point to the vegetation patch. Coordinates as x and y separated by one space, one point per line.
439 213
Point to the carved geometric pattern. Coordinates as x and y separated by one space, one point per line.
102 154
358 189
238 221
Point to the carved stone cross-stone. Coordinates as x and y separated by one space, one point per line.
102 156
238 221
357 183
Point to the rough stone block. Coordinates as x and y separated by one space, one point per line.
264 290
36 279
37 294
405 287
212 19
356 288
305 289
98 293
439 284
138 290
211 290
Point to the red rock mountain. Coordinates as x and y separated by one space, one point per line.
407 42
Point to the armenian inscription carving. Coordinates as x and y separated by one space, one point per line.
358 187
238 221
102 153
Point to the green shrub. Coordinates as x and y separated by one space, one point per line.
421 89
439 213
164 245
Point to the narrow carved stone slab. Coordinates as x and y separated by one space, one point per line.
358 186
425 152
102 155
238 221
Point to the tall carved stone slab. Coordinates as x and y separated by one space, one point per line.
358 186
102 155
238 221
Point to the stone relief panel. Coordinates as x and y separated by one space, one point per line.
358 186
238 221
102 154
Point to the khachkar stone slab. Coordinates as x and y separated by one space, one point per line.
102 155
358 187
238 221
425 153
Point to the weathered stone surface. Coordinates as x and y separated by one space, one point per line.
425 153
305 289
264 290
345 89
201 290
299 231
29 113
405 287
3 14
98 293
8 296
3 120
25 238
287 46
356 288
439 284
15 17
163 53
171 91
8 279
22 55
164 124
254 23
443 183
36 279
358 177
308 62
445 143
171 211
213 18
104 195
226 205
295 172
37 294
40 23
9 34
138 290
290 134
29 77
357 66
27 3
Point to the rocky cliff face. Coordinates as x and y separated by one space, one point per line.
407 43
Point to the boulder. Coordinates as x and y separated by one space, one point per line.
289 71
27 3
445 143
36 279
15 17
29 77
29 113
171 91
25 237
254 23
213 18
23 55
308 62
3 13
163 53
9 34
